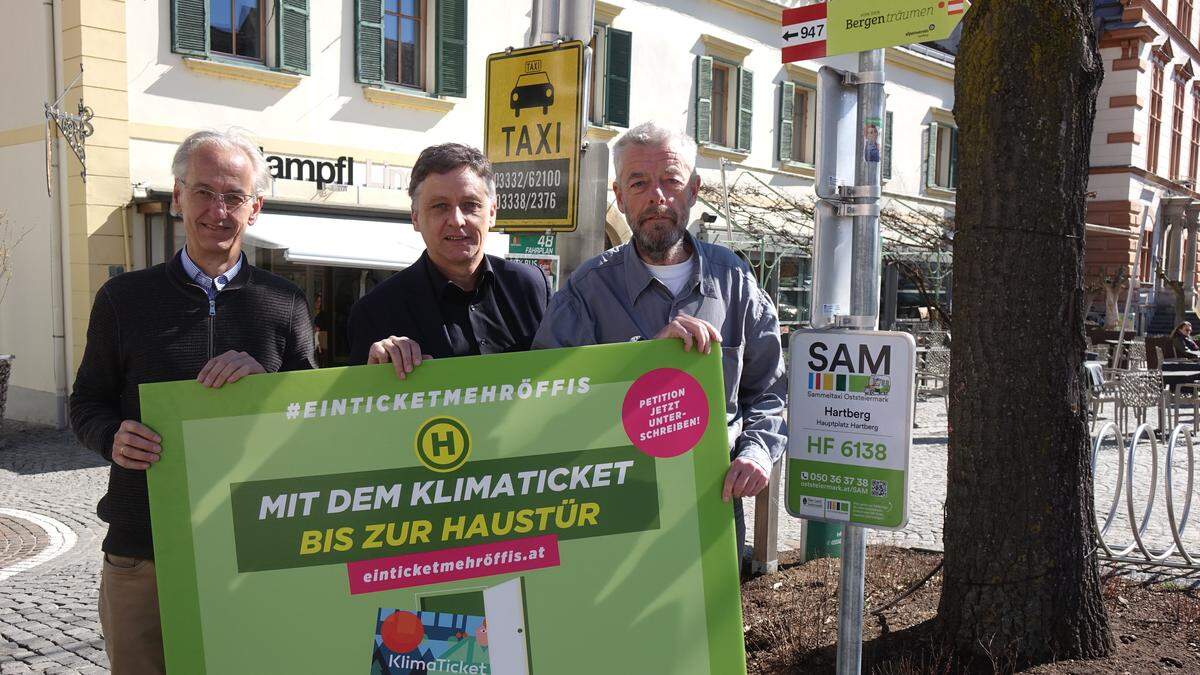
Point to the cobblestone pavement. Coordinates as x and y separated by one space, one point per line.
20 539
48 620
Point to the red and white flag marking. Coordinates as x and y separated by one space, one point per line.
804 32
955 7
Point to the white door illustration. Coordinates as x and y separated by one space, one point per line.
504 608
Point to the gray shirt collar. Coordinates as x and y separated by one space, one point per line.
638 277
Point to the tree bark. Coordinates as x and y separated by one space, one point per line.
1021 578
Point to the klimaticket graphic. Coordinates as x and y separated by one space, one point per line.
479 632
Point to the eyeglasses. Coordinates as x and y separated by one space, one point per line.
232 200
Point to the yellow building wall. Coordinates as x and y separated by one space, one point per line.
93 37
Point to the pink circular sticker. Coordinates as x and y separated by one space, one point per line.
665 412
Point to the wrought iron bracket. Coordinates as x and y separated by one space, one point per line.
74 127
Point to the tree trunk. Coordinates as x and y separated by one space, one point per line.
1021 578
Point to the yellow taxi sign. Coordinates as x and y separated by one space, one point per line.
532 135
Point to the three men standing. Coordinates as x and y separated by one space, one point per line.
206 314
210 315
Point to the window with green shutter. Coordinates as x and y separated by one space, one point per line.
745 105
238 29
723 102
390 45
451 48
795 125
189 27
784 123
704 92
931 157
368 41
618 60
941 157
292 36
952 182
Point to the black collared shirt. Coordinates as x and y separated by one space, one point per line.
471 320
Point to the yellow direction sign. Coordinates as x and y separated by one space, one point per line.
532 135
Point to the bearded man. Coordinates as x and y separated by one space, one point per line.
665 283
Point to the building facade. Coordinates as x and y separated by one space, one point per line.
342 95
1145 155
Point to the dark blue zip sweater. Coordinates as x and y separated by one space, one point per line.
157 325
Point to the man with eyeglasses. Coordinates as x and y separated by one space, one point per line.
208 315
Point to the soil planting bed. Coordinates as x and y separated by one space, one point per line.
791 620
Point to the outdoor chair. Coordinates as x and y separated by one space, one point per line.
1138 391
933 339
1135 352
1101 389
1184 394
1103 351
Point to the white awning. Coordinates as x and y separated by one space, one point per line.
347 242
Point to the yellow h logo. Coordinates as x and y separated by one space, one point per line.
443 444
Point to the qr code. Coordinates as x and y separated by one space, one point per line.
878 488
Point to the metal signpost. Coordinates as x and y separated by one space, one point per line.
850 407
532 135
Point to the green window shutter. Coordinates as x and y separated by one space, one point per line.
745 108
189 27
931 157
704 68
953 182
787 112
886 166
451 17
618 45
293 36
368 41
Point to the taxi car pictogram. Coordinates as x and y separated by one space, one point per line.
533 90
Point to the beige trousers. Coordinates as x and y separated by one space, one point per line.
129 616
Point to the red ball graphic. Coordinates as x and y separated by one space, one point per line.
402 632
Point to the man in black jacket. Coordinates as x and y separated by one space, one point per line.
455 300
207 314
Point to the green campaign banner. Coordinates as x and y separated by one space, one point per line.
554 511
